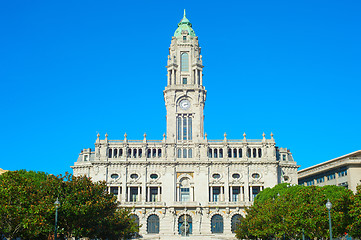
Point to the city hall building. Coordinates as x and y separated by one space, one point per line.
186 184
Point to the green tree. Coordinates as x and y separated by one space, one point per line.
355 214
22 206
27 207
287 211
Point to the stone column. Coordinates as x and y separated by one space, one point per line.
148 194
241 189
231 194
158 191
138 194
168 77
118 197
226 185
128 195
212 194
191 194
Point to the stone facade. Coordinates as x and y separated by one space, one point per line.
342 171
186 184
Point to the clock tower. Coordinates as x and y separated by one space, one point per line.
185 94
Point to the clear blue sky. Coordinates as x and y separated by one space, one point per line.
70 69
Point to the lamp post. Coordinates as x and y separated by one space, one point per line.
329 206
57 204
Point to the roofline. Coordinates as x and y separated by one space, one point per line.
329 161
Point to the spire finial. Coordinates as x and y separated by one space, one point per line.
184 15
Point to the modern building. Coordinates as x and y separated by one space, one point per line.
186 184
342 171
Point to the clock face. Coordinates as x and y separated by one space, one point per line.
184 104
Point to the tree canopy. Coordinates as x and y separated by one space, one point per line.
27 207
287 211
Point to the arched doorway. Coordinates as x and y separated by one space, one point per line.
185 225
217 224
236 220
153 224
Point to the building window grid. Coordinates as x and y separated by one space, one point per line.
342 173
310 183
184 153
331 176
320 179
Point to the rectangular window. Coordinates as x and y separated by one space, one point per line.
255 191
184 195
189 128
153 194
114 190
342 173
235 194
179 153
284 157
320 180
216 194
184 153
331 176
310 183
190 153
184 80
185 128
133 194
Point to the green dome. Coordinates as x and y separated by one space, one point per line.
184 25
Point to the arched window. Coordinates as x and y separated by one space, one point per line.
153 224
184 62
159 152
236 220
120 152
221 153
189 128
134 153
249 152
184 153
240 153
184 190
115 153
139 152
185 225
190 153
254 153
129 153
259 152
216 153
235 153
210 152
110 153
217 224
229 152
149 153
154 153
